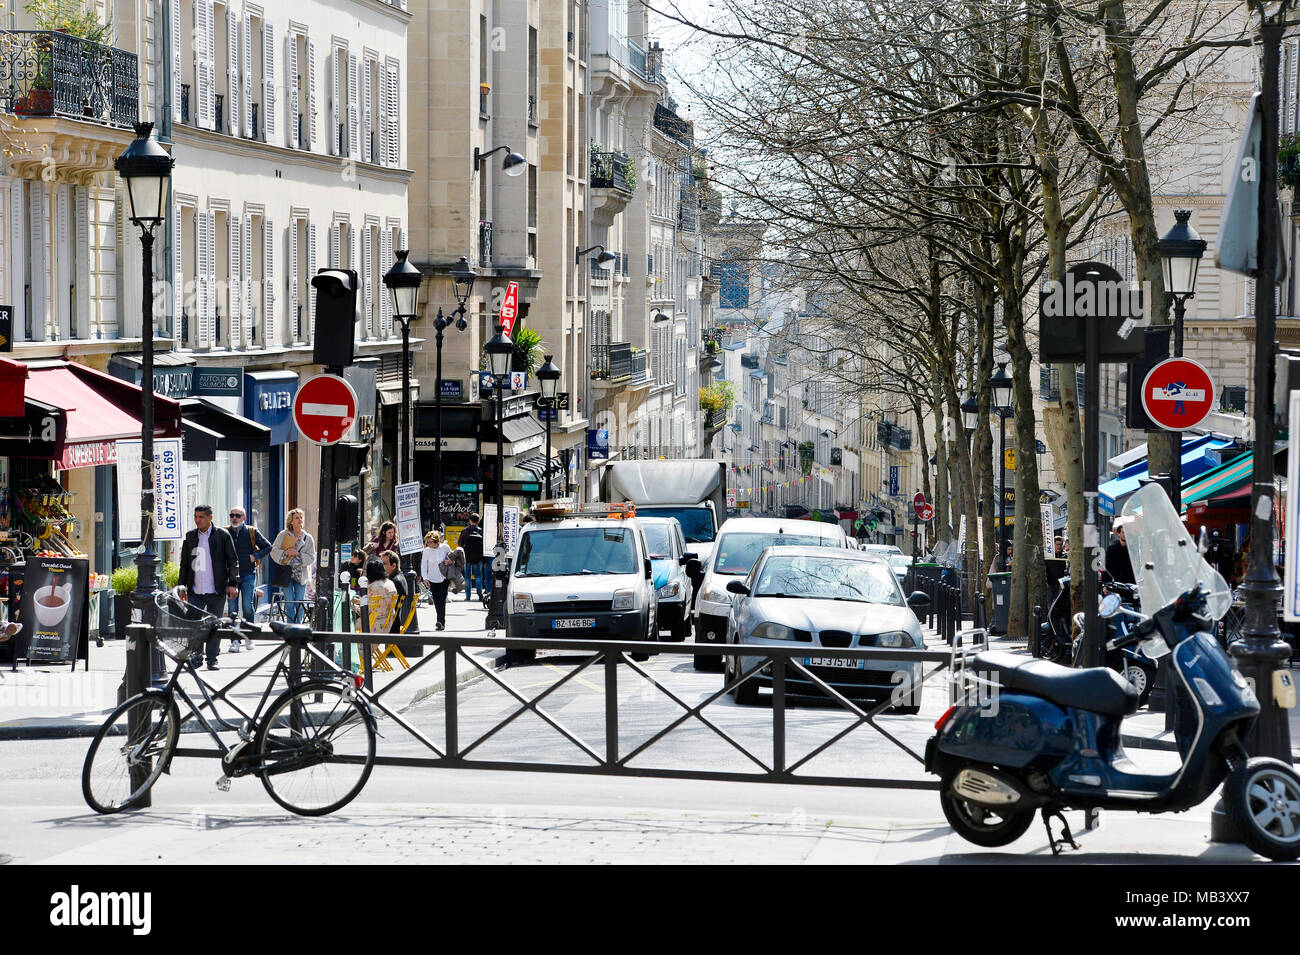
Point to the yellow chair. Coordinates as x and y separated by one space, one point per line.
382 651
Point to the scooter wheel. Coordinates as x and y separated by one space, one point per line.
980 824
1263 802
1141 681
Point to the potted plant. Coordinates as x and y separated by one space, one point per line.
123 582
76 18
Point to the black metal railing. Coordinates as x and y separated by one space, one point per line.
611 361
609 170
219 114
47 73
636 59
255 127
484 243
483 102
185 103
749 361
892 436
532 108
639 364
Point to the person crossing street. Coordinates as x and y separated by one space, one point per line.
251 546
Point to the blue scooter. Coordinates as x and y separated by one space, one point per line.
1049 739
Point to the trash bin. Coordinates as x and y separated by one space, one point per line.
1001 602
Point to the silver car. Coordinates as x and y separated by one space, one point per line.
826 599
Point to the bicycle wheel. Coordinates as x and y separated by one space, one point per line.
314 757
122 765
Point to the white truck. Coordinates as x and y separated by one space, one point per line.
692 491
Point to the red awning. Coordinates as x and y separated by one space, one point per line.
99 408
13 384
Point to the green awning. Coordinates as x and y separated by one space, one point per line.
1227 477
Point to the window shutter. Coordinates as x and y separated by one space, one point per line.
385 255
268 83
291 272
394 118
354 107
176 28
203 31
234 278
61 300
269 335
312 134
366 152
82 275
382 133
335 146
291 84
232 72
246 67
201 278
311 270
367 282
335 241
18 253
178 279
247 300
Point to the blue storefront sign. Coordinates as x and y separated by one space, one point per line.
268 400
597 444
452 390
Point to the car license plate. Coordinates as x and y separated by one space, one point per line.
574 623
835 663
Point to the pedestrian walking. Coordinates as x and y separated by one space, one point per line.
251 547
434 565
209 571
479 573
296 548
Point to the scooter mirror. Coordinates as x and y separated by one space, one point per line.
1203 542
1110 605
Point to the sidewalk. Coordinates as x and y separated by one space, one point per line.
54 702
1144 729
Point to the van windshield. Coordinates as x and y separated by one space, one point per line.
697 522
571 551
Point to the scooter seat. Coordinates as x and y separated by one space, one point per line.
1095 689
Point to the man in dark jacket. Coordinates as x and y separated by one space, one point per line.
1118 564
393 567
251 546
476 569
209 571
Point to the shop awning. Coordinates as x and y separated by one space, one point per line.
523 433
536 466
1196 460
97 410
13 388
391 394
1226 478
209 429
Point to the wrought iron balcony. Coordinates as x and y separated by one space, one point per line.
636 59
892 436
618 361
609 170
46 73
532 109
749 361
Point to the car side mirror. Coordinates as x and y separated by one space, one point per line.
649 570
918 600
737 587
687 558
694 569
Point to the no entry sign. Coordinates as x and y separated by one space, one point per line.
1177 394
924 510
324 409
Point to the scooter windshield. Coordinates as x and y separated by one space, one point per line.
1165 559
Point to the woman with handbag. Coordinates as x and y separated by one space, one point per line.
294 556
385 540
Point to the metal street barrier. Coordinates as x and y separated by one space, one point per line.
606 666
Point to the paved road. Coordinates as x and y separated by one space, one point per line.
482 816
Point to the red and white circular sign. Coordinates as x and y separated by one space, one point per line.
1178 394
324 409
925 512
918 502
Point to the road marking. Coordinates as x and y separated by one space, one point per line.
577 679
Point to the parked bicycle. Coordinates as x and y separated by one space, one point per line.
313 745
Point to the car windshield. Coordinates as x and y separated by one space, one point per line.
828 578
737 552
898 561
697 522
570 551
658 538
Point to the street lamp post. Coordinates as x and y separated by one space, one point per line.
500 350
549 376
147 168
1000 385
970 418
403 281
1181 249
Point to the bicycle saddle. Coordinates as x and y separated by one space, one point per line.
291 631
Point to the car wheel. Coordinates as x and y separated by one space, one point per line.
520 656
746 694
707 662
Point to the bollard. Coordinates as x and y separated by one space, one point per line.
139 678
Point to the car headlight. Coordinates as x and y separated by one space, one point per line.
671 589
773 631
523 603
716 593
624 600
895 639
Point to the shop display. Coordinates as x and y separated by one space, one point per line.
42 509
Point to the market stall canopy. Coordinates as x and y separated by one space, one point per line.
1198 457
209 429
13 388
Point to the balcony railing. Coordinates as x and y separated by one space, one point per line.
609 171
46 73
485 243
618 361
749 361
892 436
636 59
532 109
1049 383
185 103
219 114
